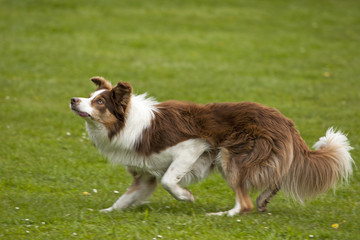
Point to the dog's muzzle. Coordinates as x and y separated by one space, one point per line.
73 105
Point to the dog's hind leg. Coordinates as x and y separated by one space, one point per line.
243 203
141 188
236 179
264 198
242 195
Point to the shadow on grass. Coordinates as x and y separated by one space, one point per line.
292 210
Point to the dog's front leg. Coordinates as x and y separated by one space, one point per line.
172 177
141 188
185 156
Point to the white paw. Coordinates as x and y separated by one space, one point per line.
183 194
217 214
229 213
188 196
106 210
233 212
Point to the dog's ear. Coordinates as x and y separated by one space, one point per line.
120 95
101 83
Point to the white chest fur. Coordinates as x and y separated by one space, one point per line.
156 164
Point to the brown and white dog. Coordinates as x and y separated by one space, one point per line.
178 143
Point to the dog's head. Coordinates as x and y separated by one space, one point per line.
107 105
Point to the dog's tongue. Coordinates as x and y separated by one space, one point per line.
82 114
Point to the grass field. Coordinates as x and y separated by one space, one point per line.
301 57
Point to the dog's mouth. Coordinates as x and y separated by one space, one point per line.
81 114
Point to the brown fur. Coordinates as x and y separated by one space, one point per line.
102 83
258 139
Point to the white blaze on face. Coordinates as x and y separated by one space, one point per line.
85 103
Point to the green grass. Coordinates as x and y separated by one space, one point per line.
301 57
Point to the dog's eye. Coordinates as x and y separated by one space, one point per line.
99 102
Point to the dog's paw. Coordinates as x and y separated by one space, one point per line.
261 205
186 195
262 209
230 213
106 210
190 196
218 213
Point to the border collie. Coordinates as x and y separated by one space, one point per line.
177 143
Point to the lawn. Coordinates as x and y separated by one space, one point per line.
301 57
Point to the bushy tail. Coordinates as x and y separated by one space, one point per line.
314 172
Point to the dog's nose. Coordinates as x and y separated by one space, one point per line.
74 100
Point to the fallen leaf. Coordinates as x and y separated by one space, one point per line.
335 225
